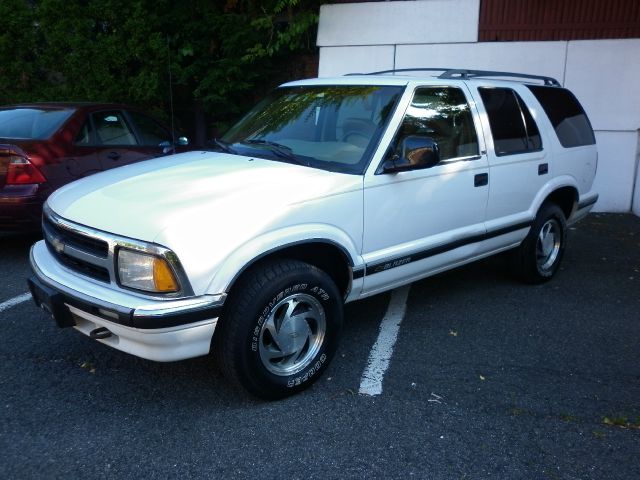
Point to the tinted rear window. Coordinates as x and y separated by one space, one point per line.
31 123
566 114
512 126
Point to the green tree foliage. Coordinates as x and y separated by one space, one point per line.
17 51
223 54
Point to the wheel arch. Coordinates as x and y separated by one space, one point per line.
328 248
324 254
562 190
566 197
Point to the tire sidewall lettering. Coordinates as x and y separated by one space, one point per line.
314 368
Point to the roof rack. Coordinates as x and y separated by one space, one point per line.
465 74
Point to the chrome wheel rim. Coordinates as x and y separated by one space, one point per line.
548 245
292 334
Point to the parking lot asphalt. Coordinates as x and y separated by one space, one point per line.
489 378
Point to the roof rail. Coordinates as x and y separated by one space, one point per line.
398 70
468 74
465 74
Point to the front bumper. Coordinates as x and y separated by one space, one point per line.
155 329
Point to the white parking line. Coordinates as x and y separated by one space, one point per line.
380 356
14 301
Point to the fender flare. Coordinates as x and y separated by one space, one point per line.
272 242
550 187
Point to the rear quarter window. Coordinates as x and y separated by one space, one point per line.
512 126
566 115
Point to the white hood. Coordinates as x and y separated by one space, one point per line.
156 199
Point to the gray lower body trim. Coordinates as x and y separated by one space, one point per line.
588 202
377 267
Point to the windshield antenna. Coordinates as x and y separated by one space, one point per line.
173 131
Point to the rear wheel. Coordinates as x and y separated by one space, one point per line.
280 328
538 258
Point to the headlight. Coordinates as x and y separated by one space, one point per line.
146 272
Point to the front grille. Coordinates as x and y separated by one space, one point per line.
58 239
93 271
91 245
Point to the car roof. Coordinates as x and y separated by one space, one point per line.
410 81
403 77
69 105
354 80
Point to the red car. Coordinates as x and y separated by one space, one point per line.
44 146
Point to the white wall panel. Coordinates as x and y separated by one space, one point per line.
605 76
388 23
340 60
538 58
616 168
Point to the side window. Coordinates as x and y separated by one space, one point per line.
512 126
84 135
112 129
151 133
443 114
566 114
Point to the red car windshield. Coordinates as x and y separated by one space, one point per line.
31 123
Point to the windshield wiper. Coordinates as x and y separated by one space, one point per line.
224 146
281 150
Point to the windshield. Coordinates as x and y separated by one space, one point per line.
31 123
333 127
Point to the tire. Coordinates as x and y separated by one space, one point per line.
264 344
538 257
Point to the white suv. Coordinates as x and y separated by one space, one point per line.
329 191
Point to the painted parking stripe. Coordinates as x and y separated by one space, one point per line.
12 302
380 356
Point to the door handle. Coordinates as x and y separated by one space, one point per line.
481 179
543 169
113 156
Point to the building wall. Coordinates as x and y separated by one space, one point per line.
516 20
388 23
603 74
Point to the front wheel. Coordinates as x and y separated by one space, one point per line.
280 329
538 258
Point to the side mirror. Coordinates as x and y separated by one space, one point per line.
166 147
415 152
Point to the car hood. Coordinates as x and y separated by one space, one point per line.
152 200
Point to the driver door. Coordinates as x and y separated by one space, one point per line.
418 221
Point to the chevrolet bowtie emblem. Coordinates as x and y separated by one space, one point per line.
58 244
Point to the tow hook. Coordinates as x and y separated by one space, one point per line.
100 333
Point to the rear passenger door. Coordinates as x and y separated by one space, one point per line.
518 162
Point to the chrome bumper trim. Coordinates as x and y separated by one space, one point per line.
122 307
